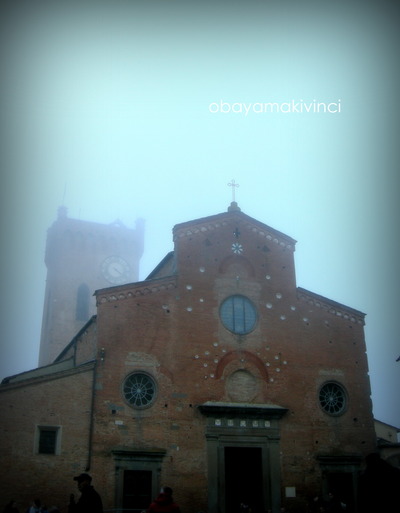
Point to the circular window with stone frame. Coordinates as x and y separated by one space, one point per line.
238 314
333 398
139 390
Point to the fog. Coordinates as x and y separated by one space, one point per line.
126 110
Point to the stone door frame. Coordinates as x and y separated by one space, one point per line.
242 425
140 459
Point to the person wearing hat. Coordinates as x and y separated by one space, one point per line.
89 501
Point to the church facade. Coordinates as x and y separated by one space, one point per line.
216 375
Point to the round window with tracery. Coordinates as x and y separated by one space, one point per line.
333 398
238 314
139 390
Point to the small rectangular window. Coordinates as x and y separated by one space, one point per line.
47 440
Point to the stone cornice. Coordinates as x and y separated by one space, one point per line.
132 290
211 408
332 307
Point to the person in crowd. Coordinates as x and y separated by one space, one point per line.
164 502
89 501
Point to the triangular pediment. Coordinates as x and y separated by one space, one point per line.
220 221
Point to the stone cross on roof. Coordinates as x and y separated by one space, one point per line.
233 206
233 184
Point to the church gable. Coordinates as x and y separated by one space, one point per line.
210 224
233 244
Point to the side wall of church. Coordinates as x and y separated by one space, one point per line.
61 402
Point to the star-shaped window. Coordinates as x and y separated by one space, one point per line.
237 248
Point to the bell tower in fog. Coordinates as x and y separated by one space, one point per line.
81 257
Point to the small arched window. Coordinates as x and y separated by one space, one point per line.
82 303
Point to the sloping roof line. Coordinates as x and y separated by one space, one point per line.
159 266
333 307
214 221
76 337
48 372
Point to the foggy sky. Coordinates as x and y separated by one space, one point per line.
105 108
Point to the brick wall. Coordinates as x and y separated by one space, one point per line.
62 400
